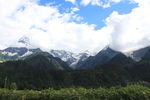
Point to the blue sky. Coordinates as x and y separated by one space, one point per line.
93 14
76 25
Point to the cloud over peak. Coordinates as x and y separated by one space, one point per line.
130 30
47 28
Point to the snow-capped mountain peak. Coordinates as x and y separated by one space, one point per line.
24 48
18 52
70 58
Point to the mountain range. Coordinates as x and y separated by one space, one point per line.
24 49
43 70
83 60
32 68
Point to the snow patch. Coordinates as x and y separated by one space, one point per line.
27 54
9 53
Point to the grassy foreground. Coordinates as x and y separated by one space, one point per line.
133 92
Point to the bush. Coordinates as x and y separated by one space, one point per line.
133 92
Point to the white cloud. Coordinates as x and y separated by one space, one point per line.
102 3
48 28
75 9
72 1
85 2
131 30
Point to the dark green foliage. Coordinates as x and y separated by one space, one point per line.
141 71
29 77
46 60
42 70
13 86
133 92
35 72
121 59
38 77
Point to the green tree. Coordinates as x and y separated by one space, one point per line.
13 86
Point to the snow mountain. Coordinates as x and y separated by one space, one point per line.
70 58
17 52
21 49
102 57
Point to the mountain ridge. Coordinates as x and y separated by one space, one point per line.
102 57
